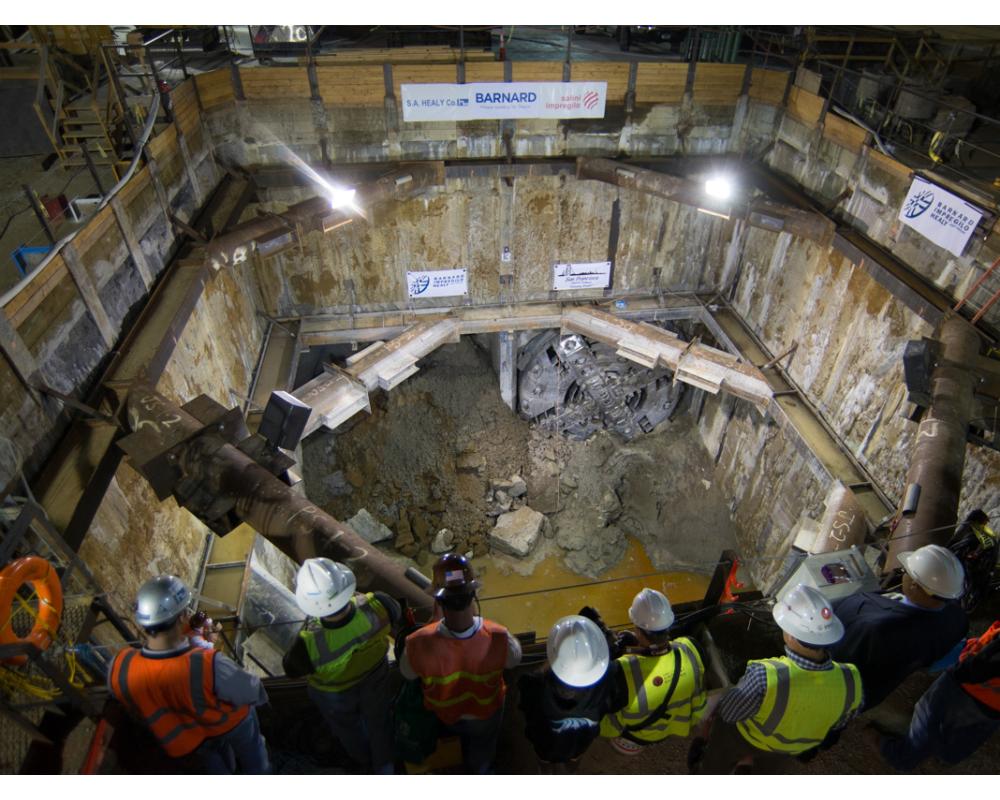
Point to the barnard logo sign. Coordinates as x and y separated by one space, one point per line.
419 283
428 102
918 204
506 97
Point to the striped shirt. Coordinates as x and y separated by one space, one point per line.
745 698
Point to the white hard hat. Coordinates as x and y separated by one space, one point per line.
578 651
323 587
936 570
160 600
806 614
651 611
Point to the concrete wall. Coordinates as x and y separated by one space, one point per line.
134 536
661 244
58 319
851 334
261 114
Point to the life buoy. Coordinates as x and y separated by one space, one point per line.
44 580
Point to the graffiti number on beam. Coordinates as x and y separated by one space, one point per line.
842 522
930 430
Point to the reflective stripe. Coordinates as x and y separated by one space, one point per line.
123 682
461 699
197 671
691 658
443 680
640 686
326 656
851 690
770 725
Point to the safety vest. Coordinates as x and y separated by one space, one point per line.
800 705
175 697
343 656
649 679
987 693
984 533
460 677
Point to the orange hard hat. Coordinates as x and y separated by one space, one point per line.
454 576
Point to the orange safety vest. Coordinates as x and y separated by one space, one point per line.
461 677
175 697
988 692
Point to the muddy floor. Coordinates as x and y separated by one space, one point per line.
433 451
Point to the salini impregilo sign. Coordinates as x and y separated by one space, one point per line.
429 102
944 218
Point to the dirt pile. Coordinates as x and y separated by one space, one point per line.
442 451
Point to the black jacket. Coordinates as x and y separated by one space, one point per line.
888 640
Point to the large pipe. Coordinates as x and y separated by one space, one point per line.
168 445
939 454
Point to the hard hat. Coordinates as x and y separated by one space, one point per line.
936 570
161 599
323 587
807 615
454 577
651 611
577 651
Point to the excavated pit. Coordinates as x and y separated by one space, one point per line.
435 449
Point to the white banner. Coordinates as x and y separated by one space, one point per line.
944 218
581 276
425 102
438 283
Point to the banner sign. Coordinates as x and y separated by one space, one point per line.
438 283
581 276
429 102
944 218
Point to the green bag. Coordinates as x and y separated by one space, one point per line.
416 727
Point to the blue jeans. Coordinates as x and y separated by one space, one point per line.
947 723
479 741
361 719
243 746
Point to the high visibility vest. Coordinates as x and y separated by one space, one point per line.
175 697
343 656
987 693
985 534
460 677
800 705
648 679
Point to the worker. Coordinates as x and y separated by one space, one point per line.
785 706
564 701
460 661
976 546
195 701
665 680
890 636
343 650
960 711
202 630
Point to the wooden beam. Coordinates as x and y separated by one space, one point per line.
131 242
88 292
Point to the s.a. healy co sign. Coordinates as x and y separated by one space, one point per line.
427 102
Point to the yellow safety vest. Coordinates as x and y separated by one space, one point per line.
343 656
648 679
800 705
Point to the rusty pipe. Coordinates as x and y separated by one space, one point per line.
169 446
316 213
939 453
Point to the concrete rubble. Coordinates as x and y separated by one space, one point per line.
517 532
443 541
369 528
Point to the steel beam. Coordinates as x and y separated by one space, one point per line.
169 446
316 213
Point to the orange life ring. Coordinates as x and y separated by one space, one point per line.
44 580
